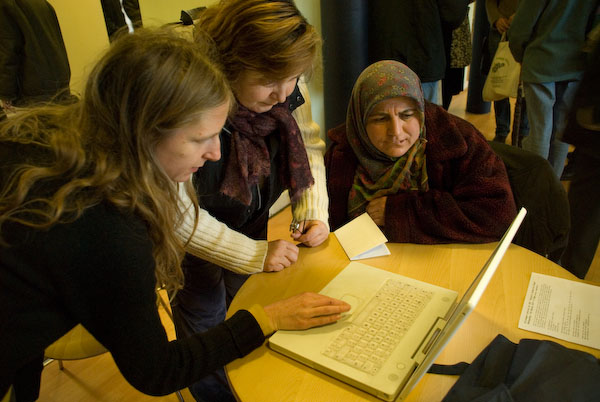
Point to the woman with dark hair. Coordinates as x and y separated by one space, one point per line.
88 207
269 145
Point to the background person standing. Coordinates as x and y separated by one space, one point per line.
583 131
500 14
547 38
411 32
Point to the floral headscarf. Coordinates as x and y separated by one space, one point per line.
377 174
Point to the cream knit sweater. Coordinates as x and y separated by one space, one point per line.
214 241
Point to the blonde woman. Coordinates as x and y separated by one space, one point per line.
88 207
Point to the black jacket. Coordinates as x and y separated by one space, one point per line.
33 59
410 32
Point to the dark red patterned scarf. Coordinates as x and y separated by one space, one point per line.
249 159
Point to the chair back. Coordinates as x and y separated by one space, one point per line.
76 344
535 186
9 396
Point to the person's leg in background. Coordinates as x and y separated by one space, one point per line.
446 97
502 106
201 305
557 154
540 98
502 114
431 91
524 123
584 200
452 84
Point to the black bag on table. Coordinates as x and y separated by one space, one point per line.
530 371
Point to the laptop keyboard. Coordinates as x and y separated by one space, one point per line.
367 343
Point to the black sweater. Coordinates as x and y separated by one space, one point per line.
99 271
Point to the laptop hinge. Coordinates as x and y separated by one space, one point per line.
429 340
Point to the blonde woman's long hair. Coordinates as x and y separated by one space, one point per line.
101 148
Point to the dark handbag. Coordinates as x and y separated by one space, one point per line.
530 371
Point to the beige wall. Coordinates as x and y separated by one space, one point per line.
84 32
311 9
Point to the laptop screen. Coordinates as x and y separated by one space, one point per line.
467 303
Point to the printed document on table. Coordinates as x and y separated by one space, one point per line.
563 309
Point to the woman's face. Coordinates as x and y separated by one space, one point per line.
185 150
259 94
393 126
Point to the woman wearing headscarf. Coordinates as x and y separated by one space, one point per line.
422 174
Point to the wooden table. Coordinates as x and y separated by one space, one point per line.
265 375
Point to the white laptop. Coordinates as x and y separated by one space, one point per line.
395 330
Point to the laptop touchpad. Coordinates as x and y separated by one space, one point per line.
353 301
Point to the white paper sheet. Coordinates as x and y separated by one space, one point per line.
563 309
361 238
377 251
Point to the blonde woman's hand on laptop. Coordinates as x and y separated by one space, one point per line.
304 311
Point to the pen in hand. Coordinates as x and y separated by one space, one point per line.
309 233
295 226
300 227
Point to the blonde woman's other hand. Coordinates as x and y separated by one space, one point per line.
280 254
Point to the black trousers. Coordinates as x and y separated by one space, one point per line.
584 200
